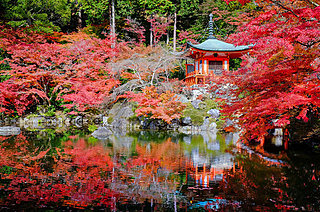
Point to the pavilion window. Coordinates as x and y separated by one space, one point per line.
196 66
190 69
200 67
215 67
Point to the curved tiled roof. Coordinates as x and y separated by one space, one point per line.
213 44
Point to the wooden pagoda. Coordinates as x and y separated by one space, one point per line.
210 58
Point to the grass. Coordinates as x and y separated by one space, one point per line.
198 115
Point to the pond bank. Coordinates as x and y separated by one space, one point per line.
201 114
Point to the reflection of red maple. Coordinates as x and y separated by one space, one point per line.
255 181
81 175
71 177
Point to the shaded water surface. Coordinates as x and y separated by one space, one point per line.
151 171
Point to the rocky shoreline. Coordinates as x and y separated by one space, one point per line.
201 115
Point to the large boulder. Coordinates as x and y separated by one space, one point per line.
214 113
198 91
195 103
186 121
102 133
208 126
120 113
205 125
9 130
153 124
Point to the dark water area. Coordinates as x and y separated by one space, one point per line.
152 171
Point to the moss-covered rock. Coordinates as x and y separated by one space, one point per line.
198 115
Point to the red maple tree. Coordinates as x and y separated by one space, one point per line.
43 71
156 106
279 80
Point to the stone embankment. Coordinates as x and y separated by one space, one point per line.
201 115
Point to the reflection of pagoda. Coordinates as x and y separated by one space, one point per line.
207 168
203 172
210 58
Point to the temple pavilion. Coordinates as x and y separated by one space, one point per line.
210 57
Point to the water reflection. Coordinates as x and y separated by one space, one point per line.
157 171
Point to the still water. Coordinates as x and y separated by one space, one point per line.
152 171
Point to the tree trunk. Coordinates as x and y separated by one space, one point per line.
175 31
113 22
168 36
79 19
151 35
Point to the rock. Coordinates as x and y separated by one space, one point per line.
102 133
9 130
196 129
120 114
78 121
205 125
67 121
154 124
119 123
13 121
20 121
185 129
213 127
37 122
59 122
197 92
181 98
85 122
97 120
174 124
229 123
215 113
186 121
53 122
195 103
187 139
6 121
105 120
119 132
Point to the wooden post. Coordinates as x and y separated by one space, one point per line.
234 167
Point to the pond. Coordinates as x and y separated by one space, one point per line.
152 171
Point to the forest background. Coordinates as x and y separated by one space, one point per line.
81 56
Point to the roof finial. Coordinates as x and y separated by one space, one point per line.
211 36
